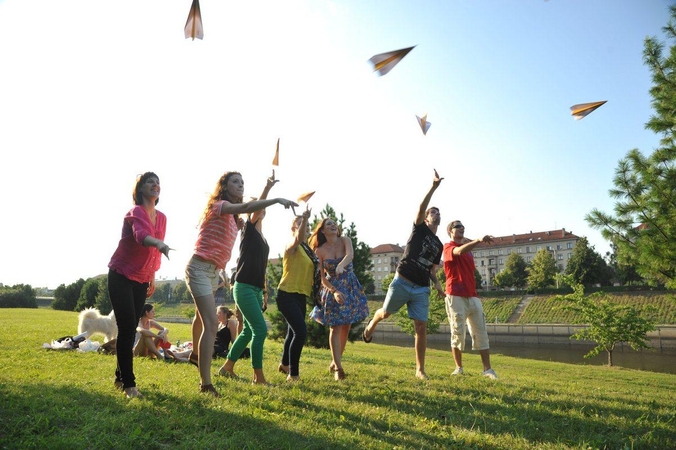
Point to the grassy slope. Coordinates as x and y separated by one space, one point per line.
65 399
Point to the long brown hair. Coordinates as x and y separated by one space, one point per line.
317 238
221 193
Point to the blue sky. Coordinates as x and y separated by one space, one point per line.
94 93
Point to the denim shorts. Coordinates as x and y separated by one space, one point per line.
402 292
201 277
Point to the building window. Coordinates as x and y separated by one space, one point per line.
570 255
491 252
482 254
501 252
538 248
560 267
378 260
491 261
558 246
559 257
501 261
378 269
569 245
475 254
385 269
519 250
483 262
509 251
527 249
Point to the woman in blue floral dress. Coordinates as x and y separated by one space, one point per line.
343 301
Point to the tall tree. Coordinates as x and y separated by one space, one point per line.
542 270
65 297
644 227
586 266
514 273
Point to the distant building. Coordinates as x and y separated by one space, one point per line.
385 258
490 258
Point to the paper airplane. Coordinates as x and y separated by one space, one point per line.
193 26
275 160
424 124
384 62
305 197
583 109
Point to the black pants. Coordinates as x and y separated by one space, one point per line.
127 298
293 307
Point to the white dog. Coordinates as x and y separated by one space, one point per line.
92 322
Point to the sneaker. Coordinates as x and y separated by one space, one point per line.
458 371
490 373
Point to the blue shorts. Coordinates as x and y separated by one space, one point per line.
416 298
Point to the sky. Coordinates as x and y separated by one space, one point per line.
93 93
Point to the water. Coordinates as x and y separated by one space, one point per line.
649 360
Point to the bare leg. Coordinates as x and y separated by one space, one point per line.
196 329
344 334
229 367
258 377
485 359
377 317
206 307
334 344
420 347
141 349
457 356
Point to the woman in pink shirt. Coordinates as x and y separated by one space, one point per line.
218 231
131 278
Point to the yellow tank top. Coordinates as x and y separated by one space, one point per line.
297 273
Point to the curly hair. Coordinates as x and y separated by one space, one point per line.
221 193
317 238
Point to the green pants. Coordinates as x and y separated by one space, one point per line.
249 300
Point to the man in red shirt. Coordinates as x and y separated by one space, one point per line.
462 303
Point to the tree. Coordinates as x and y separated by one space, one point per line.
180 294
643 227
608 323
18 296
88 294
65 297
586 266
162 293
514 273
542 270
622 272
102 299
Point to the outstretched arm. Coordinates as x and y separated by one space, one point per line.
264 195
301 233
469 245
420 218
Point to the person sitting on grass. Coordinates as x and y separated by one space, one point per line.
149 343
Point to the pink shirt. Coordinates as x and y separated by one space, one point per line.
217 236
132 259
459 271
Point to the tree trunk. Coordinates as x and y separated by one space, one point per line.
610 358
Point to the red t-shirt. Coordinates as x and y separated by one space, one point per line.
459 270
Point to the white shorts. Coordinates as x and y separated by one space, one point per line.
463 312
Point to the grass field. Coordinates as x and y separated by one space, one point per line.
52 399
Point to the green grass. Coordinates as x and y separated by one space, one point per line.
65 399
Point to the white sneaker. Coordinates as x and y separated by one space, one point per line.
490 373
458 371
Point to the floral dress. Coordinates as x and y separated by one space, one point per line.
355 309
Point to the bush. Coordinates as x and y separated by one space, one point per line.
18 296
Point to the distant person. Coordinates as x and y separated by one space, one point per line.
131 278
147 342
462 303
217 234
250 293
227 331
411 283
343 301
300 280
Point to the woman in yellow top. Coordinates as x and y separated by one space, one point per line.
300 280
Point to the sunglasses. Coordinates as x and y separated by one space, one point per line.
459 225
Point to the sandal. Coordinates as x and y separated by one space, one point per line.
283 369
209 389
224 373
364 338
340 374
332 367
132 392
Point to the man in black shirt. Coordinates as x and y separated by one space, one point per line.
411 283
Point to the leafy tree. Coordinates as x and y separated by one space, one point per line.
609 323
66 297
622 272
586 266
542 270
643 227
18 296
478 279
514 274
88 294
181 294
102 299
162 293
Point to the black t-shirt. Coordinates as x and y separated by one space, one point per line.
423 250
253 257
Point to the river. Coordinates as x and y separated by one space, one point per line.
649 360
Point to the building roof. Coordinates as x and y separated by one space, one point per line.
530 238
386 248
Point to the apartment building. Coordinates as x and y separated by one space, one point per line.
385 258
490 258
